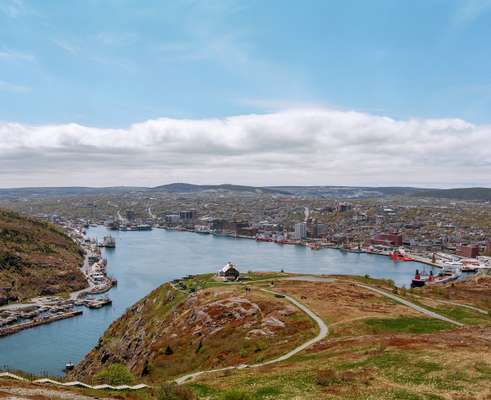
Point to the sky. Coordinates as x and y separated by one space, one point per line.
315 92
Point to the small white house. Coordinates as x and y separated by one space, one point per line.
229 272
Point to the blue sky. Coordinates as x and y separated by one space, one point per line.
143 92
113 63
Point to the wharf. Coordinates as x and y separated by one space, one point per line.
37 322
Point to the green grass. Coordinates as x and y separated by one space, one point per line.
406 325
462 314
412 368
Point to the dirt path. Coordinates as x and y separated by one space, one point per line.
323 332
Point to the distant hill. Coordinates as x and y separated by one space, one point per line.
63 191
476 193
36 258
348 192
338 192
190 188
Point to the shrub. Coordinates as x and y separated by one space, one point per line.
168 351
171 391
326 377
236 395
329 377
115 374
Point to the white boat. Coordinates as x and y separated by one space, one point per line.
470 265
450 272
109 241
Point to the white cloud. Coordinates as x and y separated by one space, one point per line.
304 146
12 55
66 46
470 10
11 87
12 8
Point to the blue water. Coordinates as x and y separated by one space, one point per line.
144 260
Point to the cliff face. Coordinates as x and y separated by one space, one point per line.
36 258
170 333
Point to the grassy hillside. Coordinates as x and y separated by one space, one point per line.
376 348
169 333
36 258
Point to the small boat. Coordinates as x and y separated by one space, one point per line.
471 265
450 272
69 366
399 255
314 246
109 242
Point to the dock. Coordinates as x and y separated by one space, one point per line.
37 322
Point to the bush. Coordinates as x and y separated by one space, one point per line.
115 374
326 377
236 395
171 391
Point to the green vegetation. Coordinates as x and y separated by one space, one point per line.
406 324
173 392
115 374
236 395
462 314
36 258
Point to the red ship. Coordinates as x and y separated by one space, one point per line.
396 255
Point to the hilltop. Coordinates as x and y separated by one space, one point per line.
36 258
376 347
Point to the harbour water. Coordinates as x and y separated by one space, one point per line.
144 260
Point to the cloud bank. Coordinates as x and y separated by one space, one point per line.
298 146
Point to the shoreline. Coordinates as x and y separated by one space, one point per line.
416 257
47 309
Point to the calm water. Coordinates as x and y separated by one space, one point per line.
144 260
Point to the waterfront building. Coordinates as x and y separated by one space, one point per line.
468 251
187 215
172 218
300 230
387 239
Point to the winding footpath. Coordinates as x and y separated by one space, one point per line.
323 332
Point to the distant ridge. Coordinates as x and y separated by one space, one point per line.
190 188
475 193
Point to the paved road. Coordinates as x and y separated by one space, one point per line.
323 332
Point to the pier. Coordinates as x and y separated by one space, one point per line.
9 330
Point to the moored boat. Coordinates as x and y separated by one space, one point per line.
421 278
400 255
